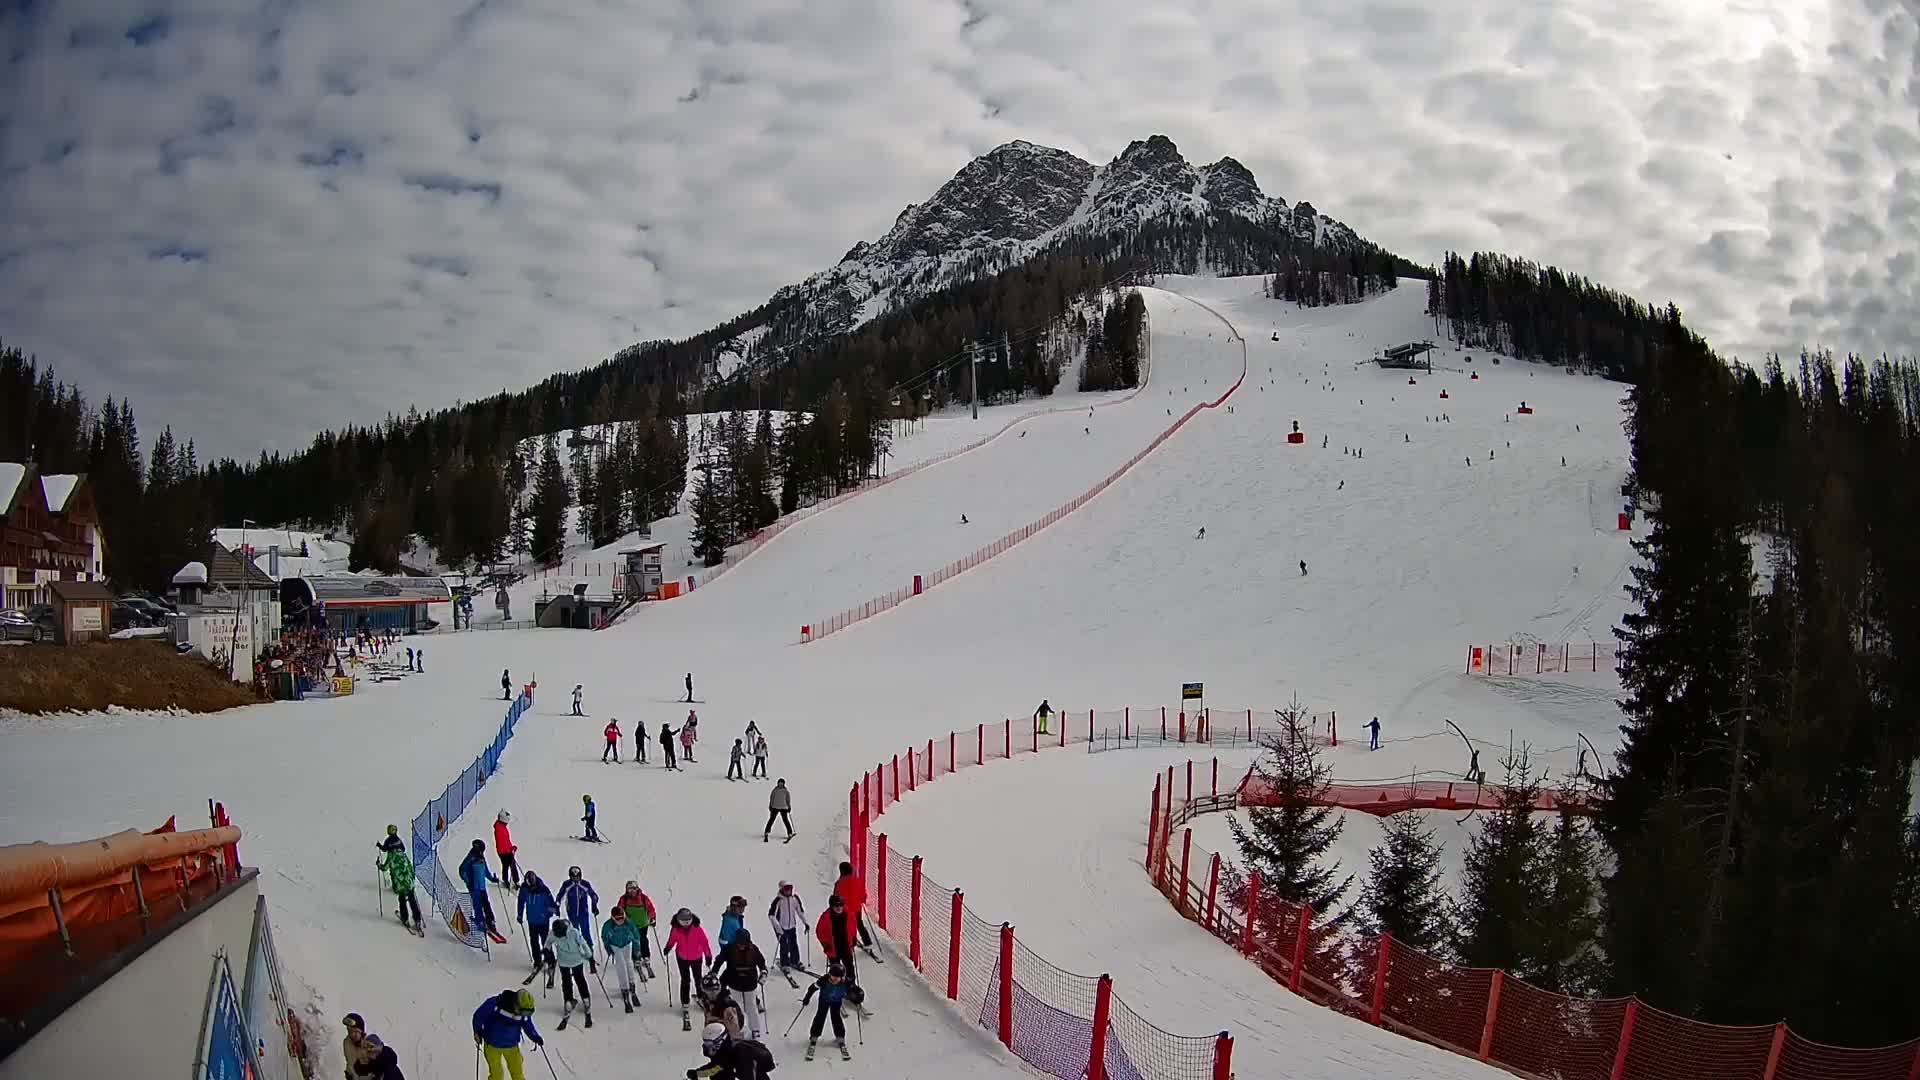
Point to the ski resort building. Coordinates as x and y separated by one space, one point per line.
1406 356
49 531
347 603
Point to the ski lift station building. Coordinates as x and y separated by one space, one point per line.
1406 356
346 603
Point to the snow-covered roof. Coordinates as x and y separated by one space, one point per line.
11 473
194 573
59 487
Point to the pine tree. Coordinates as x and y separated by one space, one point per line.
1288 841
550 501
1402 895
1569 961
1506 885
710 514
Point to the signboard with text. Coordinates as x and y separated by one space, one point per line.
85 618
1192 691
226 1051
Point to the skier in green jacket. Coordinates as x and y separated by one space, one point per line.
398 867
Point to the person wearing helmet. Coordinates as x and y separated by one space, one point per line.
589 818
617 936
575 955
746 967
612 734
788 914
503 847
731 919
717 1004
730 1058
832 988
640 914
475 875
358 1048
536 908
398 866
690 948
498 1025
666 747
580 902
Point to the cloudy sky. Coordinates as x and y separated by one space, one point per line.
264 217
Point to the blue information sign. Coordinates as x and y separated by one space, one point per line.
229 1052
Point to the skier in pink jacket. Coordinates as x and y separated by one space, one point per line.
689 945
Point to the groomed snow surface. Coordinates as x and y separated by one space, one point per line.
1418 555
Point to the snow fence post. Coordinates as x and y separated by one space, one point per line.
1153 823
1380 967
1300 947
896 778
1126 722
1216 777
1189 781
1163 723
1006 985
953 946
1213 888
1493 1013
931 769
1773 1052
1186 860
1063 727
913 774
953 739
1253 912
913 924
980 744
1089 725
1009 738
853 824
1626 1042
1183 726
880 871
1102 1016
1223 1057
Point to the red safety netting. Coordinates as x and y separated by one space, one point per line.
832 624
1533 1032
1051 1018
1542 658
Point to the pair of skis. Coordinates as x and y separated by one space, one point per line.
566 1011
413 928
845 1054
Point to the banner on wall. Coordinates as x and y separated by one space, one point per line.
226 1051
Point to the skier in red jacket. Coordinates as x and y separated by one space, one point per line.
612 752
851 889
503 846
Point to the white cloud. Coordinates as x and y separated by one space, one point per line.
264 218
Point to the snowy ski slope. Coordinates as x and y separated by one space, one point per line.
1115 604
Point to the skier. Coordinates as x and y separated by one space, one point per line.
640 742
729 1058
690 948
779 803
787 913
576 896
503 847
506 686
475 875
357 1049
752 732
689 734
1202 534
836 934
617 936
1303 568
641 916
535 909
746 966
717 1006
854 891
689 687
589 818
399 869
760 756
666 747
574 953
731 919
576 700
612 732
963 520
1041 714
497 1026
1373 730
734 772
409 658
833 989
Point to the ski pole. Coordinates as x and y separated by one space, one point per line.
859 1025
476 1059
380 892
549 1061
501 890
602 976
796 1019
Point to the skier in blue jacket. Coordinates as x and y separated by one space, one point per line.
731 919
536 909
497 1026
475 875
579 900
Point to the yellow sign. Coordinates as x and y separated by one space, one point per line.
1192 691
343 684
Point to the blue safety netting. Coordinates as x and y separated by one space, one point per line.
450 900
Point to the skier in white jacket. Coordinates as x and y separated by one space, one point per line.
787 914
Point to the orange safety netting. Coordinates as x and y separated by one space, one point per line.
1480 1012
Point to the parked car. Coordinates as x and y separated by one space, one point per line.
154 611
127 617
43 617
15 625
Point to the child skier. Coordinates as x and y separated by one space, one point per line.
506 686
729 1058
640 742
734 772
666 747
1373 731
580 902
731 919
787 914
1041 714
746 966
689 734
535 909
575 954
399 869
503 847
589 818
833 989
475 875
617 936
612 751
690 948
760 756
497 1026
576 700
641 916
